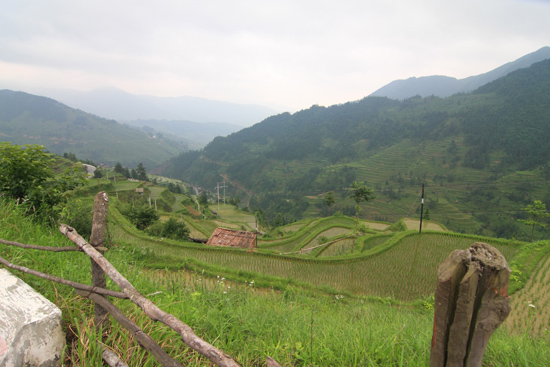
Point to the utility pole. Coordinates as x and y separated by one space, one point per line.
218 189
218 193
421 210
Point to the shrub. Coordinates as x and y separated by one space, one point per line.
141 214
170 229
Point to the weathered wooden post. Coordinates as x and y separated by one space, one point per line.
97 240
471 301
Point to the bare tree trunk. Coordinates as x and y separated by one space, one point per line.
471 301
97 239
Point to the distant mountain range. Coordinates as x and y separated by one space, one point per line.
30 119
116 104
444 86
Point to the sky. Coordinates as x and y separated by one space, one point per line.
287 54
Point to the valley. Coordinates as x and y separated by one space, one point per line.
305 286
330 280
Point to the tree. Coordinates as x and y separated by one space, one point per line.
175 230
98 173
142 215
26 175
536 213
427 214
141 173
329 200
278 220
203 199
119 168
235 201
360 193
23 169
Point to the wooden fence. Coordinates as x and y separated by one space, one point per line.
471 301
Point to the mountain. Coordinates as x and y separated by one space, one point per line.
31 119
119 105
444 86
482 155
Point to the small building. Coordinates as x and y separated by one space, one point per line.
232 238
139 190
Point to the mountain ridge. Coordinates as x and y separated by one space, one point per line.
116 104
29 119
445 86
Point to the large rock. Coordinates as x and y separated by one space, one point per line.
30 326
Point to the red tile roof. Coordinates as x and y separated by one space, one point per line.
232 238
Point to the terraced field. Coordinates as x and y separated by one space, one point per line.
531 306
403 267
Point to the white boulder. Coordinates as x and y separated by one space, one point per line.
31 333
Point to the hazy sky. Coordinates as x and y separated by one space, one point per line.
291 53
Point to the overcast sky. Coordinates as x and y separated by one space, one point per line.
288 53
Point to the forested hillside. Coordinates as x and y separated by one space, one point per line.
477 151
30 119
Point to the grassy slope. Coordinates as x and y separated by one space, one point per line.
295 326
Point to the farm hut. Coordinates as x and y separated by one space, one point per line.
139 190
232 238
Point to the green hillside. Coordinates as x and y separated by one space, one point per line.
30 119
482 156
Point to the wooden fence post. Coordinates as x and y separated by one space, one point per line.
471 301
97 240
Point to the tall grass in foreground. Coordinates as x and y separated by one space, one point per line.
296 327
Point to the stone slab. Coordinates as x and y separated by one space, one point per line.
31 332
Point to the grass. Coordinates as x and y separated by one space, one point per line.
325 323
531 305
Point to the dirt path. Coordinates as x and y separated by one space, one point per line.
236 184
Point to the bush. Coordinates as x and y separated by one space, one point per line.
27 176
170 229
79 214
141 215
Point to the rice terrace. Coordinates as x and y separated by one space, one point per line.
303 289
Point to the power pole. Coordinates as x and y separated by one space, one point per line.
421 210
218 193
218 189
